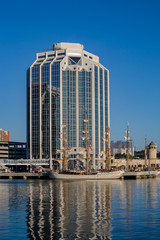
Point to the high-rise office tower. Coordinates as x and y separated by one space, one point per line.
66 86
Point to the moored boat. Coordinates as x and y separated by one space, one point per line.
88 173
81 176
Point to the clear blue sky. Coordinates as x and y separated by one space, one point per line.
124 34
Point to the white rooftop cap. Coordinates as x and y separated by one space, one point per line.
58 46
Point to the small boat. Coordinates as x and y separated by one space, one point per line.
81 176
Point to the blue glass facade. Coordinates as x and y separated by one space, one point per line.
55 101
106 83
28 113
69 106
66 90
85 103
101 109
96 110
45 115
36 111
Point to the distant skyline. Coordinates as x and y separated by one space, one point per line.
124 34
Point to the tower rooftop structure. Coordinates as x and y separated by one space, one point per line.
152 144
62 45
68 49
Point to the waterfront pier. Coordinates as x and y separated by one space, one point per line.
23 175
140 175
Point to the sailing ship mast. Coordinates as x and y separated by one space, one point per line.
64 149
86 138
127 138
107 149
145 152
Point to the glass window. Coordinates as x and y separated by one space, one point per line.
40 61
51 55
59 58
59 54
51 59
42 56
96 111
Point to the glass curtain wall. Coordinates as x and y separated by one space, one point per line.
73 96
55 73
101 109
45 99
28 113
85 104
106 98
96 111
81 96
36 111
66 106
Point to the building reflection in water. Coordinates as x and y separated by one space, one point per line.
89 209
70 210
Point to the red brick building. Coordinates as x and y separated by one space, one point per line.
4 136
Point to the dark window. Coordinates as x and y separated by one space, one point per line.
51 55
75 59
59 54
50 59
59 58
42 56
40 61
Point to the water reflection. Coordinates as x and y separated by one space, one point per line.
93 209
70 210
80 209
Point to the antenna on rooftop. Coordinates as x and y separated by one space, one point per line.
46 49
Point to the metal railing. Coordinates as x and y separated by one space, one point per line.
23 162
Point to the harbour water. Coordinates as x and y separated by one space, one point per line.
113 209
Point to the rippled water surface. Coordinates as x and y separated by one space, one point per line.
45 209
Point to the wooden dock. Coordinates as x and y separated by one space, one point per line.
42 175
23 175
140 175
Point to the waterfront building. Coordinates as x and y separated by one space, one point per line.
4 135
152 150
17 150
66 86
3 150
13 150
